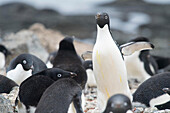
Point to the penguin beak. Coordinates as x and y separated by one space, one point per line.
118 106
73 74
32 67
131 47
97 16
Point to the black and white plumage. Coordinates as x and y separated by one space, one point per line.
118 103
57 98
141 65
108 65
91 81
4 52
31 89
23 66
6 84
151 94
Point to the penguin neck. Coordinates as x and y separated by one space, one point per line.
103 33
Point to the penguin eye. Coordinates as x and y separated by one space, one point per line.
24 61
105 17
59 75
125 104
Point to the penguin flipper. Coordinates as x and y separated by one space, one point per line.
77 103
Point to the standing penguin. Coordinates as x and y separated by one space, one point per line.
140 65
31 89
108 65
118 103
151 94
68 59
88 65
57 97
3 54
23 66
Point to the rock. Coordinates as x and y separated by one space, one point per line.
50 39
5 105
24 41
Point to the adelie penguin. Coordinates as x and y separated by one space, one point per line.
91 82
151 92
31 89
68 59
23 66
4 52
140 65
118 103
108 65
57 97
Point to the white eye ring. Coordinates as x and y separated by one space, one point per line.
105 17
125 104
59 75
24 61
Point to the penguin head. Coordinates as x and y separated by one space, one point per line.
4 50
88 64
138 44
56 73
25 60
118 103
67 44
102 19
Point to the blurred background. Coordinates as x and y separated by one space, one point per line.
129 19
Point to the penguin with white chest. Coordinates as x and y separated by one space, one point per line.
31 89
23 66
151 93
108 65
140 65
88 65
4 52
